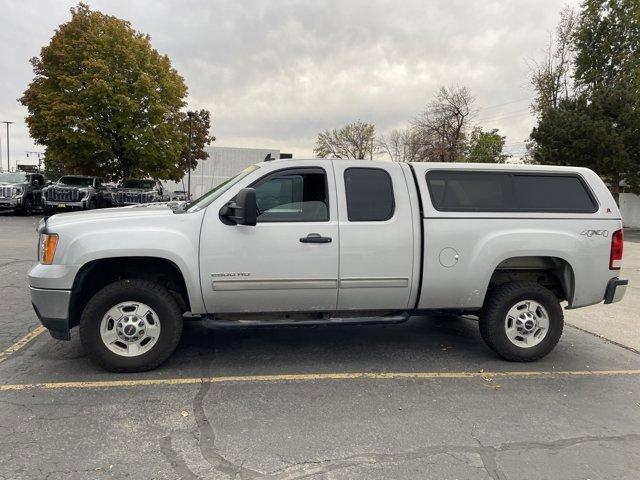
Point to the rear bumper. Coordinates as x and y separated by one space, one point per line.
616 288
52 309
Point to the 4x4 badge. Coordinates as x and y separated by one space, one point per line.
591 233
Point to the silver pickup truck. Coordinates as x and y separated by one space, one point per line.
336 241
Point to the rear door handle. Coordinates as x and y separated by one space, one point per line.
315 238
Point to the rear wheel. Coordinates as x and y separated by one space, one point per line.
131 326
521 322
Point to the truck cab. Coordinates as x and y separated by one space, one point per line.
21 191
336 241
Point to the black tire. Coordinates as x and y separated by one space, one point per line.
27 207
494 314
92 204
150 293
48 211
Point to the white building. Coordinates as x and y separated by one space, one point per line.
222 164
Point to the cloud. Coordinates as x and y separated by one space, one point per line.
275 73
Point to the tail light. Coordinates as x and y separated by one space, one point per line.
615 260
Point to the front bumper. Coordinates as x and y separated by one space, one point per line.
9 203
82 204
615 291
52 309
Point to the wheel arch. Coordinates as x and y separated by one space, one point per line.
553 272
96 274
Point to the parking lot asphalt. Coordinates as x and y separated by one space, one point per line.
423 399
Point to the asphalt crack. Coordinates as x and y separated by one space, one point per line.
177 463
487 455
207 435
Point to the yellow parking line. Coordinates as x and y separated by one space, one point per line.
21 343
309 377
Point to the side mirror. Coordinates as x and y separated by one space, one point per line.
242 211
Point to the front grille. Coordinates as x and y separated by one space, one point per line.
130 197
58 194
5 192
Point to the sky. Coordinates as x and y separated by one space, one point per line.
275 73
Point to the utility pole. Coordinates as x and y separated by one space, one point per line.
190 116
8 154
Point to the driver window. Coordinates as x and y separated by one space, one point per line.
298 195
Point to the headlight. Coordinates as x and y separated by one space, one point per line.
48 245
82 194
16 192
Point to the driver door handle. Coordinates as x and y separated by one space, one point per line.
315 238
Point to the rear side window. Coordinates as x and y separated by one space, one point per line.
508 192
369 194
468 191
555 193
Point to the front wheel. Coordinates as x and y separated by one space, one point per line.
131 326
27 208
521 322
48 211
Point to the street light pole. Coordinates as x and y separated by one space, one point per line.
8 153
190 116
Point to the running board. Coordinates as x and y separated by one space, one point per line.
218 323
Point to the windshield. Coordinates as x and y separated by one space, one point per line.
8 177
211 195
76 181
138 184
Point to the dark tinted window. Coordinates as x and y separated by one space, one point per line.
369 194
508 192
298 195
552 194
469 191
135 183
76 181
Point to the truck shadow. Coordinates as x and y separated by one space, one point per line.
421 343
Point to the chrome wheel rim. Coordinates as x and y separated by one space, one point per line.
130 329
526 323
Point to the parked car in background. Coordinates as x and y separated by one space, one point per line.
322 241
137 190
21 191
77 192
179 196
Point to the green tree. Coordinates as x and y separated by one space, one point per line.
599 126
355 140
600 131
607 44
104 102
485 146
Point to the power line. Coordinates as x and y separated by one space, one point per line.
505 103
512 114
